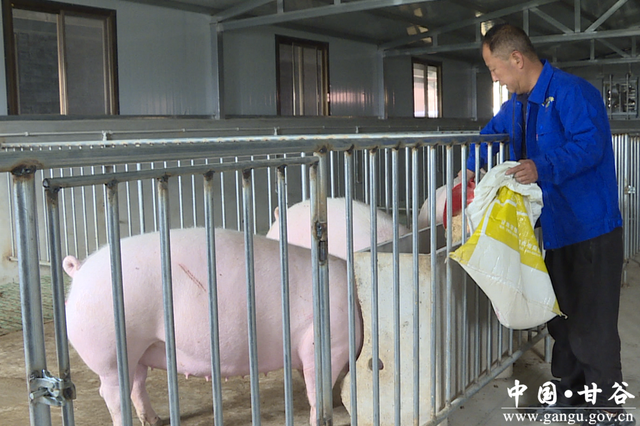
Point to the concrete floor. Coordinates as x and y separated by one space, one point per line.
487 408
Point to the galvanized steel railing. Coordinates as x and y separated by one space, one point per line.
483 350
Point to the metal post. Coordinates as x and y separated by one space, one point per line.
216 376
251 296
113 234
59 314
286 310
375 338
434 276
415 239
30 297
396 285
167 298
351 282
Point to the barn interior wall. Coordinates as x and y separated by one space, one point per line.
165 68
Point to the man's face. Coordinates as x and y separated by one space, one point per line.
504 71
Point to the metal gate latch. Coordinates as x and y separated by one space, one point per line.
630 190
51 390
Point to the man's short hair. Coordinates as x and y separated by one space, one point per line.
503 39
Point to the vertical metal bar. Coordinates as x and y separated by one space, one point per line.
95 211
270 193
325 319
85 218
239 222
407 187
180 198
286 310
127 186
415 240
216 376
59 314
396 285
194 198
375 338
332 173
251 297
10 191
254 225
351 282
64 217
154 204
30 297
167 298
433 293
143 228
448 364
222 199
464 373
113 234
46 236
387 181
305 179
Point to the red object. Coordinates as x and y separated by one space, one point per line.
457 200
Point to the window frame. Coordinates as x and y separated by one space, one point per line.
111 57
427 64
280 39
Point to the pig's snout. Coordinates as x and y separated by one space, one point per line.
71 265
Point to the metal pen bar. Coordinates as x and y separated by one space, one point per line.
216 376
254 225
239 207
180 198
407 187
59 314
317 334
141 203
375 337
286 309
129 206
95 211
30 297
194 204
46 236
325 320
351 283
113 234
223 205
464 373
387 187
448 340
167 299
85 220
415 240
433 293
251 297
68 182
396 286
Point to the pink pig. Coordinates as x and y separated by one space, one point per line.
299 226
91 326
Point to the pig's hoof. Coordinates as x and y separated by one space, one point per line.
158 422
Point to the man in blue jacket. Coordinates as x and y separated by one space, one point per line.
560 136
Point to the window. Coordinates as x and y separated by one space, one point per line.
60 58
500 96
426 89
302 75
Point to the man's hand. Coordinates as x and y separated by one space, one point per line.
470 175
525 172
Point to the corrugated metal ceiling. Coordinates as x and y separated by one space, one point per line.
569 32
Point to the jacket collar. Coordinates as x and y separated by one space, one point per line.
539 92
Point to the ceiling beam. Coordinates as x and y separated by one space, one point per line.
177 5
591 62
553 21
558 38
466 23
313 12
606 16
239 9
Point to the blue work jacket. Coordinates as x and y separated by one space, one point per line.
569 140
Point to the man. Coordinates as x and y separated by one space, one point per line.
560 135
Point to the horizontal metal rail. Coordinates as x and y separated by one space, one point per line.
119 152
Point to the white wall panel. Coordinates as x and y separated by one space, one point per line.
250 72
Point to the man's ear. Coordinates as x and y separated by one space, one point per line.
517 59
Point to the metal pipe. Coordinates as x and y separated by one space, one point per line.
59 314
113 226
167 298
433 293
251 297
448 331
315 256
415 240
216 376
396 286
286 309
375 337
351 283
30 297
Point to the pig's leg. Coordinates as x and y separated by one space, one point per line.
140 398
307 357
110 392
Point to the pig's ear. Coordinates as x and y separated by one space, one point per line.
276 213
70 265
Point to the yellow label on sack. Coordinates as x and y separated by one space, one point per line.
508 222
